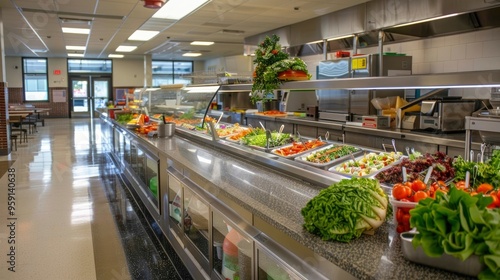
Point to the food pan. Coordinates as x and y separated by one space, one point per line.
303 158
275 150
371 174
471 266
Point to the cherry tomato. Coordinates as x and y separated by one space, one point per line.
418 185
419 196
406 219
460 185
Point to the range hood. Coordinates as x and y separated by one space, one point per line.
471 21
400 20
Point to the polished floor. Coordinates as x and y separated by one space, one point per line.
65 213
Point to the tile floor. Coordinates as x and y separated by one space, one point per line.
72 217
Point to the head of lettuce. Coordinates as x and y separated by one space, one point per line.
344 210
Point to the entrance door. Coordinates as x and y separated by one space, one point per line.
87 94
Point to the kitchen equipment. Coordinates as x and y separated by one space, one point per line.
297 100
445 115
312 111
376 121
333 104
346 105
411 120
166 129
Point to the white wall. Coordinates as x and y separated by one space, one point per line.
60 64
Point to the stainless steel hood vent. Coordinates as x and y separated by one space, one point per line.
461 23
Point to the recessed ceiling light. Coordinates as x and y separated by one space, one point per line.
192 54
126 48
76 30
75 48
76 54
177 9
115 55
143 35
202 43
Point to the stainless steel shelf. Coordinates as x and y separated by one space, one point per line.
488 78
491 125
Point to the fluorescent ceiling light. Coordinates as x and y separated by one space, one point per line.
177 9
126 48
425 20
116 55
76 54
192 54
202 43
76 30
143 35
75 48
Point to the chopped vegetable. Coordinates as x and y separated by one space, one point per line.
460 225
343 211
368 164
328 154
486 172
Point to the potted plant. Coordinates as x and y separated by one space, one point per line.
273 67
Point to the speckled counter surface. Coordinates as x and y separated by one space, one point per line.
278 199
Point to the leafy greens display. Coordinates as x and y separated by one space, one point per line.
343 211
459 225
487 172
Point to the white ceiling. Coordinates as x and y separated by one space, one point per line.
33 28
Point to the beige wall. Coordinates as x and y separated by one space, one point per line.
14 71
128 72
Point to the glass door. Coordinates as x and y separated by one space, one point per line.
80 97
88 93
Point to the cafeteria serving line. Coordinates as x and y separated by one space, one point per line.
72 218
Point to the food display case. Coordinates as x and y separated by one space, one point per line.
151 100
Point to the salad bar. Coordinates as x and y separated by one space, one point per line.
348 193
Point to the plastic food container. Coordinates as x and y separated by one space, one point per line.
471 266
401 221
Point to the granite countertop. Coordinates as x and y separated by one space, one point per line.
278 199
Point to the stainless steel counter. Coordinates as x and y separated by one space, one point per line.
277 199
456 140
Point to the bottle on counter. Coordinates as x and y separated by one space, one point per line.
230 269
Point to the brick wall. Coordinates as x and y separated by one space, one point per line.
4 130
57 109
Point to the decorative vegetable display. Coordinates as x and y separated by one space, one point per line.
343 211
368 164
487 172
270 61
329 154
460 225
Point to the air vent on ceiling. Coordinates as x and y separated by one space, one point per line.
67 20
231 31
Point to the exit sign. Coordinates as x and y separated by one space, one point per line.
57 72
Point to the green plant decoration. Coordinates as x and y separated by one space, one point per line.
270 60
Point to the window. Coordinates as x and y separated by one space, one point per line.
90 66
171 72
35 79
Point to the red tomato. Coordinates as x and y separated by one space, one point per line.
400 191
418 185
484 188
146 118
419 196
